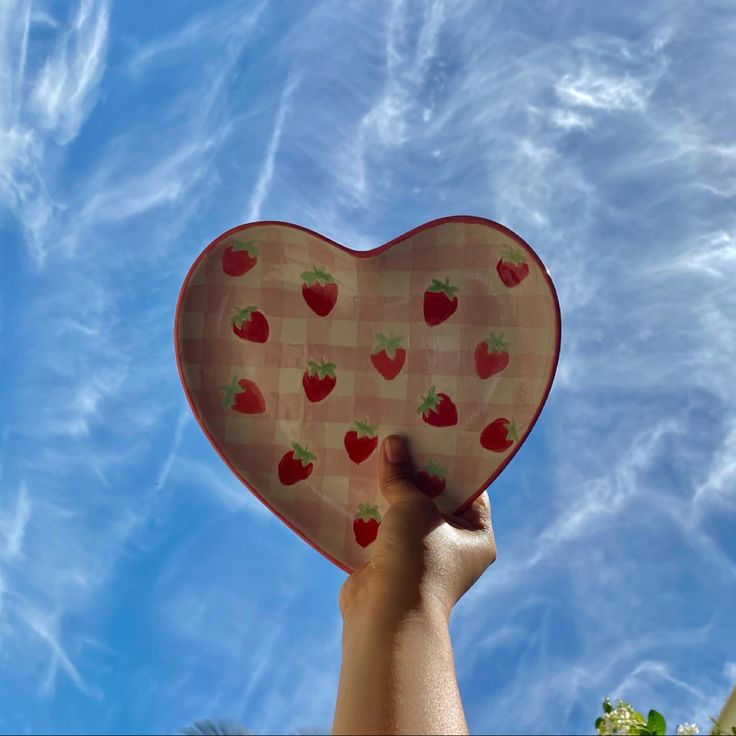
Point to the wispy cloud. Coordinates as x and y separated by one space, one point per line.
227 24
602 93
46 627
260 190
66 87
13 525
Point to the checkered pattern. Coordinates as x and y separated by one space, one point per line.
380 293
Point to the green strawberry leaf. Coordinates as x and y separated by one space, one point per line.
303 454
496 343
229 392
433 469
513 255
364 429
366 512
317 275
445 287
321 369
389 344
242 315
607 707
599 723
513 434
656 723
429 401
238 245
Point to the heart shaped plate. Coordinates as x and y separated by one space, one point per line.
298 355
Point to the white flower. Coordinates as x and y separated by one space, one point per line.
688 729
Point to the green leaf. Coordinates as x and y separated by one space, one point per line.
429 401
433 469
302 454
598 723
230 391
366 511
445 287
317 274
656 723
364 429
389 344
607 707
237 245
513 255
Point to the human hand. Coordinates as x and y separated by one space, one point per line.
420 555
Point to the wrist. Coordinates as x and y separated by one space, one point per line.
388 604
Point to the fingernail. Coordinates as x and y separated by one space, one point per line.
395 453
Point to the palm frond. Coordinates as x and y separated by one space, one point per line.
215 727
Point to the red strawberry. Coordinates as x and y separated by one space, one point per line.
318 380
512 267
491 356
438 409
360 444
365 524
296 465
250 324
431 479
387 357
248 401
440 302
319 291
239 258
499 435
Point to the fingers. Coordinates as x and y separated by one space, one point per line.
395 472
478 514
478 519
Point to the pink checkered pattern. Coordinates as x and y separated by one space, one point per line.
381 293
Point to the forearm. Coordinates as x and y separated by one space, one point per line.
398 674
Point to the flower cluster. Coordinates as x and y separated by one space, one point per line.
623 720
619 721
688 729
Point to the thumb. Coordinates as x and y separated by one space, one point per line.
395 473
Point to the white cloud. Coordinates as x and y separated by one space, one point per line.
569 120
260 190
587 89
13 523
66 87
719 487
229 22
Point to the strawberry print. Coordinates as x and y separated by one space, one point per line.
296 465
430 480
491 356
361 441
250 324
318 380
440 302
244 396
499 435
512 267
238 258
365 524
387 357
438 410
319 291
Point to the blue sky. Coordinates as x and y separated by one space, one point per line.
141 587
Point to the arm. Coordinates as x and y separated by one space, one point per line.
397 671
